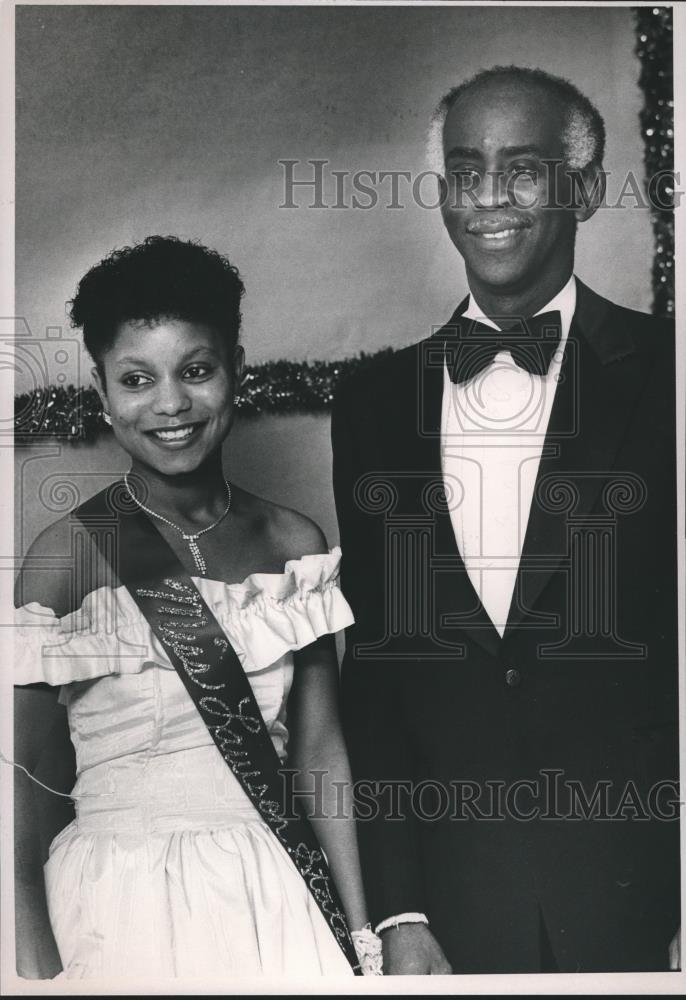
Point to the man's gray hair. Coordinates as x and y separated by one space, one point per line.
583 133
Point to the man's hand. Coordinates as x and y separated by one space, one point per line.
412 950
675 952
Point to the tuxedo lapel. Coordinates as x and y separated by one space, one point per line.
598 394
458 611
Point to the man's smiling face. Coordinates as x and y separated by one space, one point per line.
504 209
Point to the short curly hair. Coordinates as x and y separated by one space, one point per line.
583 128
163 276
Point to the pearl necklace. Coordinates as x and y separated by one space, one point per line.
191 538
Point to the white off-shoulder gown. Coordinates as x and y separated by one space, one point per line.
168 870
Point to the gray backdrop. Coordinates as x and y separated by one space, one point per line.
134 121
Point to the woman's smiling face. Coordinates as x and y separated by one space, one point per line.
169 389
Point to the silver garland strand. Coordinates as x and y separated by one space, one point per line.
73 414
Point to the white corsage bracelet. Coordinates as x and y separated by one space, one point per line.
368 948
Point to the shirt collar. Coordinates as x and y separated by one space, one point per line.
564 302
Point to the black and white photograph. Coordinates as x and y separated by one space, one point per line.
343 498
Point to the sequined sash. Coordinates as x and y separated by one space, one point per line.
212 674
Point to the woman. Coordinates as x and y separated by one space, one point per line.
179 862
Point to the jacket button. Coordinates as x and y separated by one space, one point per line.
513 677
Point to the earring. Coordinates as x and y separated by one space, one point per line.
107 418
236 399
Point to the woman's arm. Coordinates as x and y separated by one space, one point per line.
41 738
37 715
316 744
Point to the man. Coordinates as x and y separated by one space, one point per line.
506 498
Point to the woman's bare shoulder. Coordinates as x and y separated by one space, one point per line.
289 534
54 572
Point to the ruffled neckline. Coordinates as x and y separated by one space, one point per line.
279 585
264 616
276 585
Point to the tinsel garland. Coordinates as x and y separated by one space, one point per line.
654 50
75 414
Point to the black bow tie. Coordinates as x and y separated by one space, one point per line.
471 346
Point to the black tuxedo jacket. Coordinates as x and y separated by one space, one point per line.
508 782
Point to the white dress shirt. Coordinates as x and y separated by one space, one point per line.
493 429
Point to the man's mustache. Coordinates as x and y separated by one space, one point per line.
494 223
